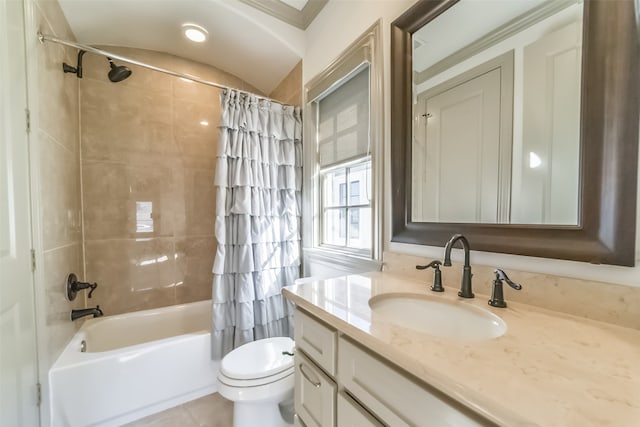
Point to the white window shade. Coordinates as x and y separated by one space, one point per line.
343 121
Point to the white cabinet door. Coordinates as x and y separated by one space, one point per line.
315 394
18 368
394 397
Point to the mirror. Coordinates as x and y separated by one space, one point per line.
496 113
596 221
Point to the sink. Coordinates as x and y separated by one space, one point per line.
437 317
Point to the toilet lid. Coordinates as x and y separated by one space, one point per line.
258 359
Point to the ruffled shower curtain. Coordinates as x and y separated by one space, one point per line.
258 182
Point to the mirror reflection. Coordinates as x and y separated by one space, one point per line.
496 114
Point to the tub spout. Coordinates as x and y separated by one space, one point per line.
96 312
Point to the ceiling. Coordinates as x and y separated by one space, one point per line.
244 41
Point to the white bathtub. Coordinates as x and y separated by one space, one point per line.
135 364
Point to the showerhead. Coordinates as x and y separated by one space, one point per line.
118 72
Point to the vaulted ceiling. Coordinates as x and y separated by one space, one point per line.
247 38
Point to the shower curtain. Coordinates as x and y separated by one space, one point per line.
258 182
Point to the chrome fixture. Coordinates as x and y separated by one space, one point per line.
73 286
437 275
465 288
96 312
497 295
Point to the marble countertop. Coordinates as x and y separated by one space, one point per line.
548 369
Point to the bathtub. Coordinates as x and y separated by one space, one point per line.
134 365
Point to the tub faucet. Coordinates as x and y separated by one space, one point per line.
76 314
465 288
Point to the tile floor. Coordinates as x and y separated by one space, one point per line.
209 411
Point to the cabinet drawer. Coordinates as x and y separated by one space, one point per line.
396 398
315 394
351 414
318 341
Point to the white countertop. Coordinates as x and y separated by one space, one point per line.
548 369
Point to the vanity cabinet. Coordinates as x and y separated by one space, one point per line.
339 382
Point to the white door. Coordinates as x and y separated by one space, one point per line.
462 152
551 129
18 365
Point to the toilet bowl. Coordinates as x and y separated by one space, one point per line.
258 378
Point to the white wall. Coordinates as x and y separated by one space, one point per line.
335 28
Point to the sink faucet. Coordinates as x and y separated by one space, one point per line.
76 314
465 288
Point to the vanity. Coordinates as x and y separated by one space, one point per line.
357 365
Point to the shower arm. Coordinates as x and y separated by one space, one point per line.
49 38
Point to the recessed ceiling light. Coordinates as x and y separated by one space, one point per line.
195 32
204 123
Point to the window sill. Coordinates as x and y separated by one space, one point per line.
324 262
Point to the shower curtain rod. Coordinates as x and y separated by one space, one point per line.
53 39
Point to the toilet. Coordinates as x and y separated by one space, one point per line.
258 378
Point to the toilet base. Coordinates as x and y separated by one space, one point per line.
263 414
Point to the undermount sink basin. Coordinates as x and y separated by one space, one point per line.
438 317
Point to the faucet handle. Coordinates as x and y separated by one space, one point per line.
437 275
501 275
497 294
93 287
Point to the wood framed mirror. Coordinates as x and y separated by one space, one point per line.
605 232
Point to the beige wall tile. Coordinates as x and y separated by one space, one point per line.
58 263
125 124
112 192
188 90
57 92
197 142
289 91
198 198
132 274
194 264
60 193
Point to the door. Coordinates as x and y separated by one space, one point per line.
550 189
18 364
462 152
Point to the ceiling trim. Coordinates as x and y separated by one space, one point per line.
289 14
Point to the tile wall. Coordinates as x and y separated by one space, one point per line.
148 147
55 139
289 91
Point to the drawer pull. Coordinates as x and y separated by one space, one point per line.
316 384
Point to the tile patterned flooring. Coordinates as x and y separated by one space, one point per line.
209 411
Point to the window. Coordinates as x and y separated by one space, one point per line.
346 210
342 158
343 171
345 164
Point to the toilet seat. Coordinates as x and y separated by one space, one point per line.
258 362
255 382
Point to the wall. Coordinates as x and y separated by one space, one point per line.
347 19
150 139
55 160
289 90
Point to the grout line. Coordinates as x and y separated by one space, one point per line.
65 246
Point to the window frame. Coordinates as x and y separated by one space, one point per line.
366 50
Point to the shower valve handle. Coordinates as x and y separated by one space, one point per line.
74 286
